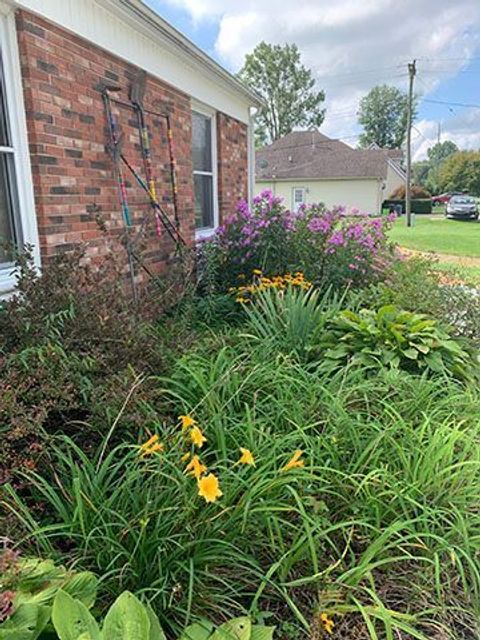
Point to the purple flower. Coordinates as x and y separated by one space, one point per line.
337 238
319 225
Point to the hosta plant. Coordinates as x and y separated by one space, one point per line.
39 600
396 339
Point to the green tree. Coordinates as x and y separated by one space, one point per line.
461 172
440 151
420 171
287 87
436 156
383 116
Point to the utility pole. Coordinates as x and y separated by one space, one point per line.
439 134
412 69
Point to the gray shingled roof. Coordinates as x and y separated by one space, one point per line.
310 155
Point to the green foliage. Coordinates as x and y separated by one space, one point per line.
461 172
289 320
383 116
414 285
382 519
440 151
418 206
287 87
50 602
394 338
426 172
67 339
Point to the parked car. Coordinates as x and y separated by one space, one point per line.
462 207
443 198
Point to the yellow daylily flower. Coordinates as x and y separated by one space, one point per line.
257 272
295 461
327 623
209 488
185 457
196 468
246 457
151 446
187 422
197 437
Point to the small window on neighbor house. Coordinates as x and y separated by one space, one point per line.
203 156
299 197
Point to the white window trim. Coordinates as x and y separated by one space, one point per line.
18 130
204 110
304 189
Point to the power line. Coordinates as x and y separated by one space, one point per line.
452 104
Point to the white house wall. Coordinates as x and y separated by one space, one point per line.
363 194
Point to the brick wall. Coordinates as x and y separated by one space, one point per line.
232 137
73 173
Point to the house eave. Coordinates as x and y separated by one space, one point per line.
138 10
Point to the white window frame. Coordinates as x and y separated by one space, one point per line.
208 112
16 119
304 200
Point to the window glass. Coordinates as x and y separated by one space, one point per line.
201 142
7 236
203 201
203 177
4 141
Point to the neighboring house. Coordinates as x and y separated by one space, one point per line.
57 178
306 167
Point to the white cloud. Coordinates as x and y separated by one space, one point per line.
461 129
351 45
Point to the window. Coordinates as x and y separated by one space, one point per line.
204 171
9 234
298 197
18 223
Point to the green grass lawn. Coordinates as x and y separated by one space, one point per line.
436 233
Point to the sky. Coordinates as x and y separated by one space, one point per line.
353 45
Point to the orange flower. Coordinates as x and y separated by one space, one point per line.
151 446
246 457
209 488
294 461
197 437
327 623
196 468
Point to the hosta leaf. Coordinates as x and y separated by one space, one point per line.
198 631
126 619
235 629
411 354
72 619
261 632
26 623
156 631
83 587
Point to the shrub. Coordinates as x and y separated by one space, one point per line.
67 339
329 247
415 285
416 192
394 338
